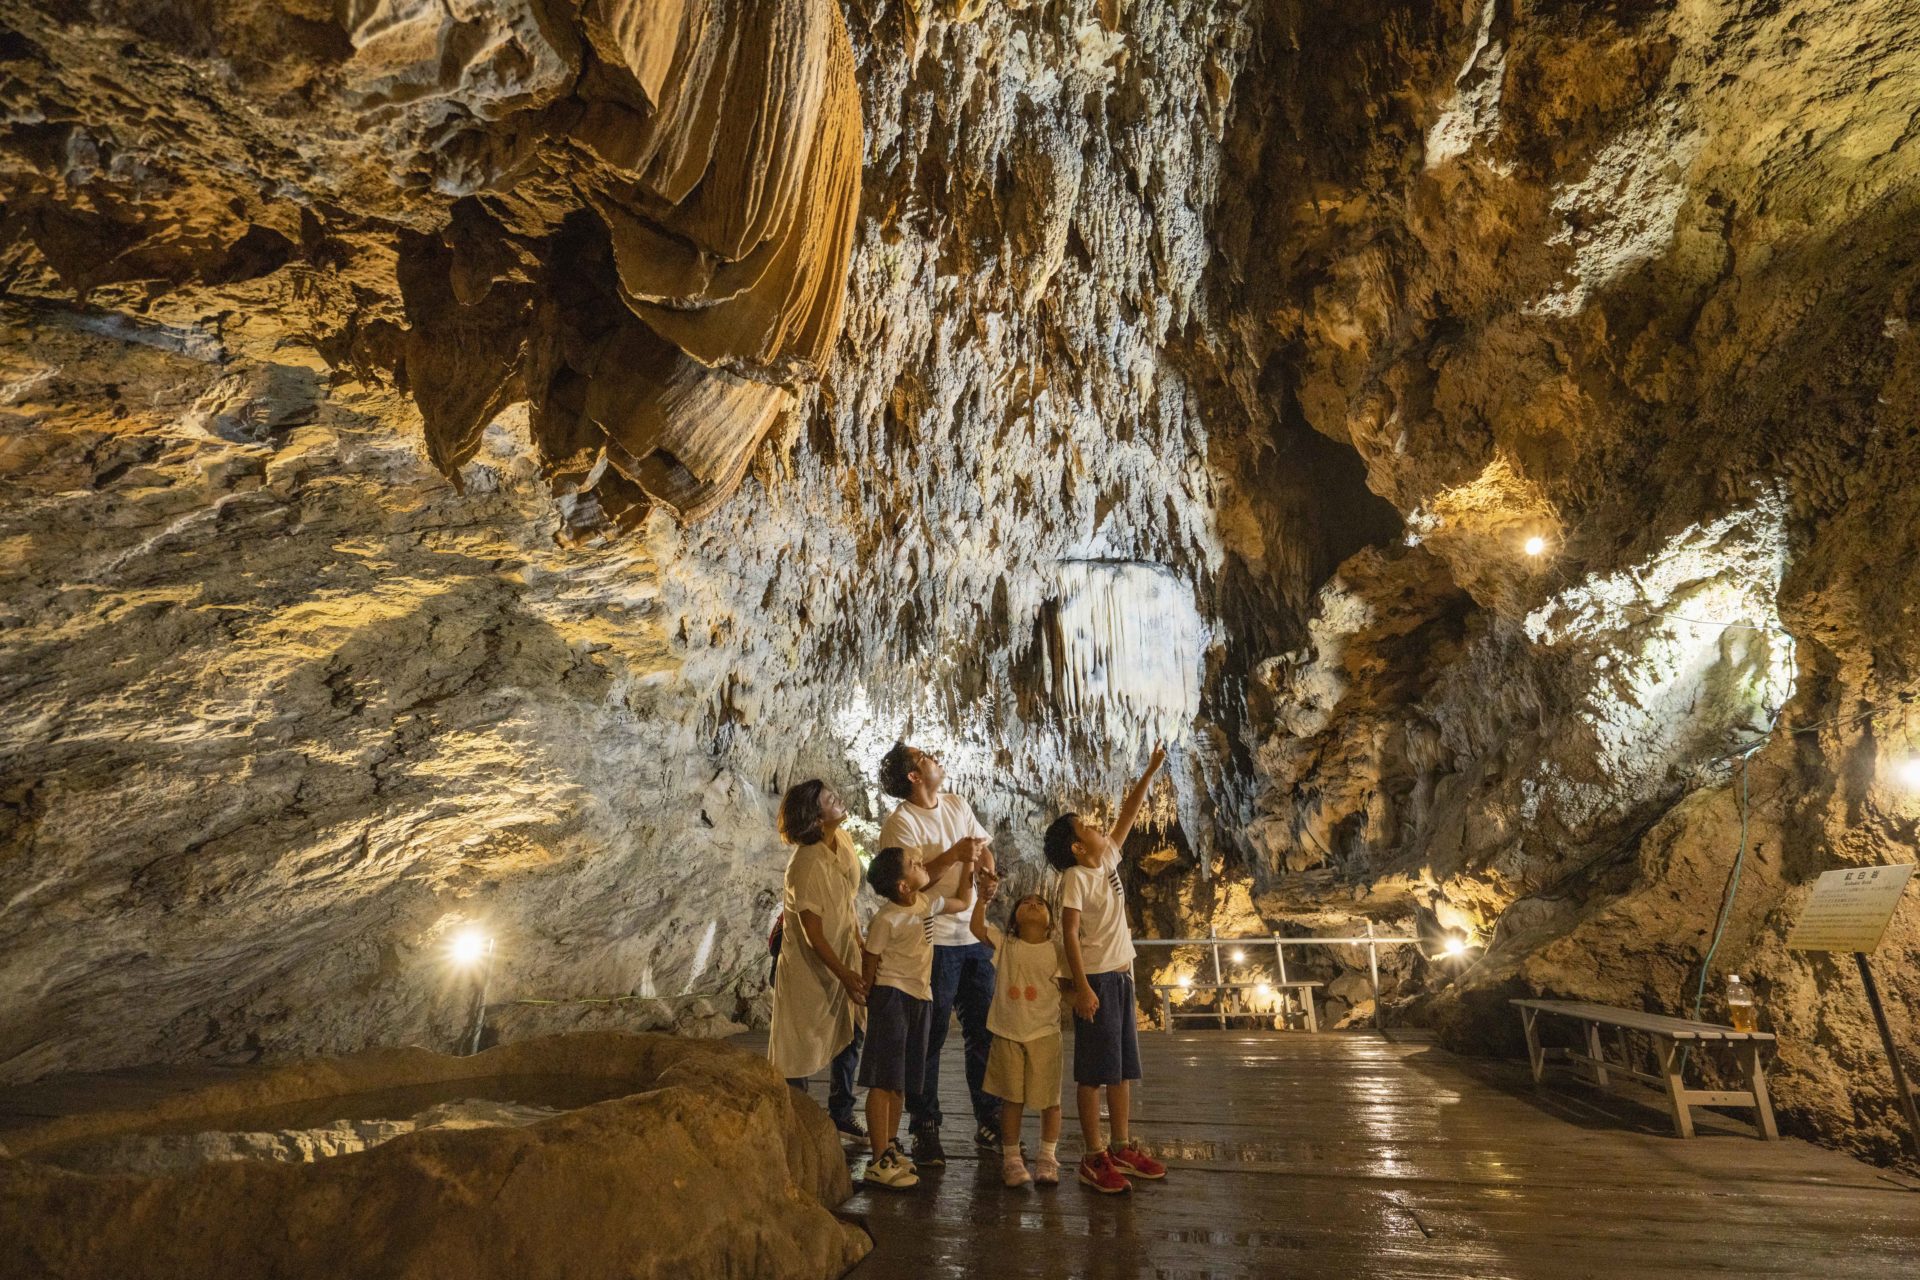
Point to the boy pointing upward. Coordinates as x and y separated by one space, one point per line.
1099 946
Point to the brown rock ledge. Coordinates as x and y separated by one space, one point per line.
680 1176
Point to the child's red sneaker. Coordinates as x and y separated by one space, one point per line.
1098 1172
1135 1163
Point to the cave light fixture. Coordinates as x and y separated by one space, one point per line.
1239 956
1535 545
471 949
1908 771
1454 945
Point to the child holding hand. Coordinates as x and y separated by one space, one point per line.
1099 947
897 970
1023 1066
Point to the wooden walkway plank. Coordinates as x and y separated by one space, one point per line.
1353 1156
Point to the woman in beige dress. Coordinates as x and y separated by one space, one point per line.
817 991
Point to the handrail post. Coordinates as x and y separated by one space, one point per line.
1373 973
1280 962
1219 983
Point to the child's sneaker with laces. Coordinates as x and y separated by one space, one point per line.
1132 1161
1046 1171
1098 1172
1013 1171
891 1172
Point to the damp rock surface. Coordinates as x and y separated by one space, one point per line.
702 1163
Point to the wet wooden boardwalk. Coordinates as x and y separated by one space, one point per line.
1353 1156
1350 1156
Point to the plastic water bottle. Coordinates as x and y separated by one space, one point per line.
1740 1004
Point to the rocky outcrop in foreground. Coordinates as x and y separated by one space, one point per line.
701 1162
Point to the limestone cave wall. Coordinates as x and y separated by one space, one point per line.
1202 370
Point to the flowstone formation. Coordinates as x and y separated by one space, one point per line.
634 216
1203 368
625 1184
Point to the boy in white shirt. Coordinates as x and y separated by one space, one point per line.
1099 947
1023 1067
897 964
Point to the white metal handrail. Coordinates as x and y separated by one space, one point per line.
1372 942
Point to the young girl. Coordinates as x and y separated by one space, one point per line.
1023 1067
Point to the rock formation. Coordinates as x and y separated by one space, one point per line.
1255 339
622 1186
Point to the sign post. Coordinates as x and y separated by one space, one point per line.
1849 911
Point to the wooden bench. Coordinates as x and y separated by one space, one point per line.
1671 1038
1302 992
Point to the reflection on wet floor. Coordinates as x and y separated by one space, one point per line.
1353 1156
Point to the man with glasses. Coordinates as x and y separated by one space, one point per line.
930 822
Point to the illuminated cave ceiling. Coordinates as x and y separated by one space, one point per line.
1191 355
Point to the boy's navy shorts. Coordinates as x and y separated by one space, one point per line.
896 1048
1107 1050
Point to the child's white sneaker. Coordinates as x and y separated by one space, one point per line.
1046 1170
888 1171
1013 1171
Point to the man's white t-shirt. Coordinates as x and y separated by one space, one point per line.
1106 943
1026 995
903 939
930 833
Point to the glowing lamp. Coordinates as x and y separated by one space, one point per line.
1264 989
1908 771
1239 956
469 947
1186 980
1455 945
1535 545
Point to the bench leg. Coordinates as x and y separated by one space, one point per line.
1626 1054
1599 1057
1757 1081
1535 1057
1669 1055
1313 1014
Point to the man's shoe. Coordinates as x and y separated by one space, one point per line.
1135 1163
986 1136
887 1171
1097 1171
902 1157
927 1149
850 1127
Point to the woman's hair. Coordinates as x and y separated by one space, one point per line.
886 872
800 812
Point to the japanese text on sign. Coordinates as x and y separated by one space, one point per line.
1849 909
